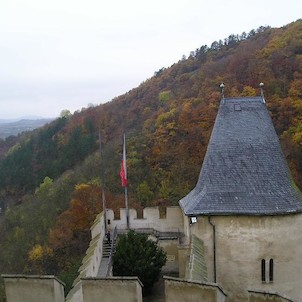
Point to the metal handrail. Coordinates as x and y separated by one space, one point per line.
114 235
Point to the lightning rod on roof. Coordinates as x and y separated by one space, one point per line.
261 91
222 90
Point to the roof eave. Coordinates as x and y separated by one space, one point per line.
275 213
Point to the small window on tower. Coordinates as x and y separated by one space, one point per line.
271 270
263 270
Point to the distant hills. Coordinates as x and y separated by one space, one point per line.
9 127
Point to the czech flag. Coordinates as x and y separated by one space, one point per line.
123 172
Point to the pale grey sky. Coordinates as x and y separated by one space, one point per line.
65 54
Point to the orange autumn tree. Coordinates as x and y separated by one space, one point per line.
71 232
77 220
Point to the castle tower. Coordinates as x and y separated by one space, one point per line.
246 205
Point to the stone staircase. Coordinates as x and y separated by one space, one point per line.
102 272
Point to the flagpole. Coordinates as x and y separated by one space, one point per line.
124 178
127 208
103 182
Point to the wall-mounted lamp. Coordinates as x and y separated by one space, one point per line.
193 219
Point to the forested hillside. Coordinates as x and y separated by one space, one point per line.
50 178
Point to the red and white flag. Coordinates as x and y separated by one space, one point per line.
123 172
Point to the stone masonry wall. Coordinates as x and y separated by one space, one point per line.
172 222
241 244
267 297
179 290
23 288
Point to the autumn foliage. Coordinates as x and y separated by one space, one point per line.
51 178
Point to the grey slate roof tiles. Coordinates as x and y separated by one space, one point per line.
244 171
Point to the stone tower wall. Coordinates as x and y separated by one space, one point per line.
242 242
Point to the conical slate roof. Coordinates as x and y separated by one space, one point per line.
244 171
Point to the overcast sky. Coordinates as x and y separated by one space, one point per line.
65 54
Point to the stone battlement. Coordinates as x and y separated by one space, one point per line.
152 218
152 221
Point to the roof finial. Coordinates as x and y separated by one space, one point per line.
261 91
222 90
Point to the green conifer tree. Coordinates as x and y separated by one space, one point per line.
136 255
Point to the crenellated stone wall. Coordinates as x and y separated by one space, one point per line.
91 261
172 221
179 290
126 289
94 253
241 242
24 288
